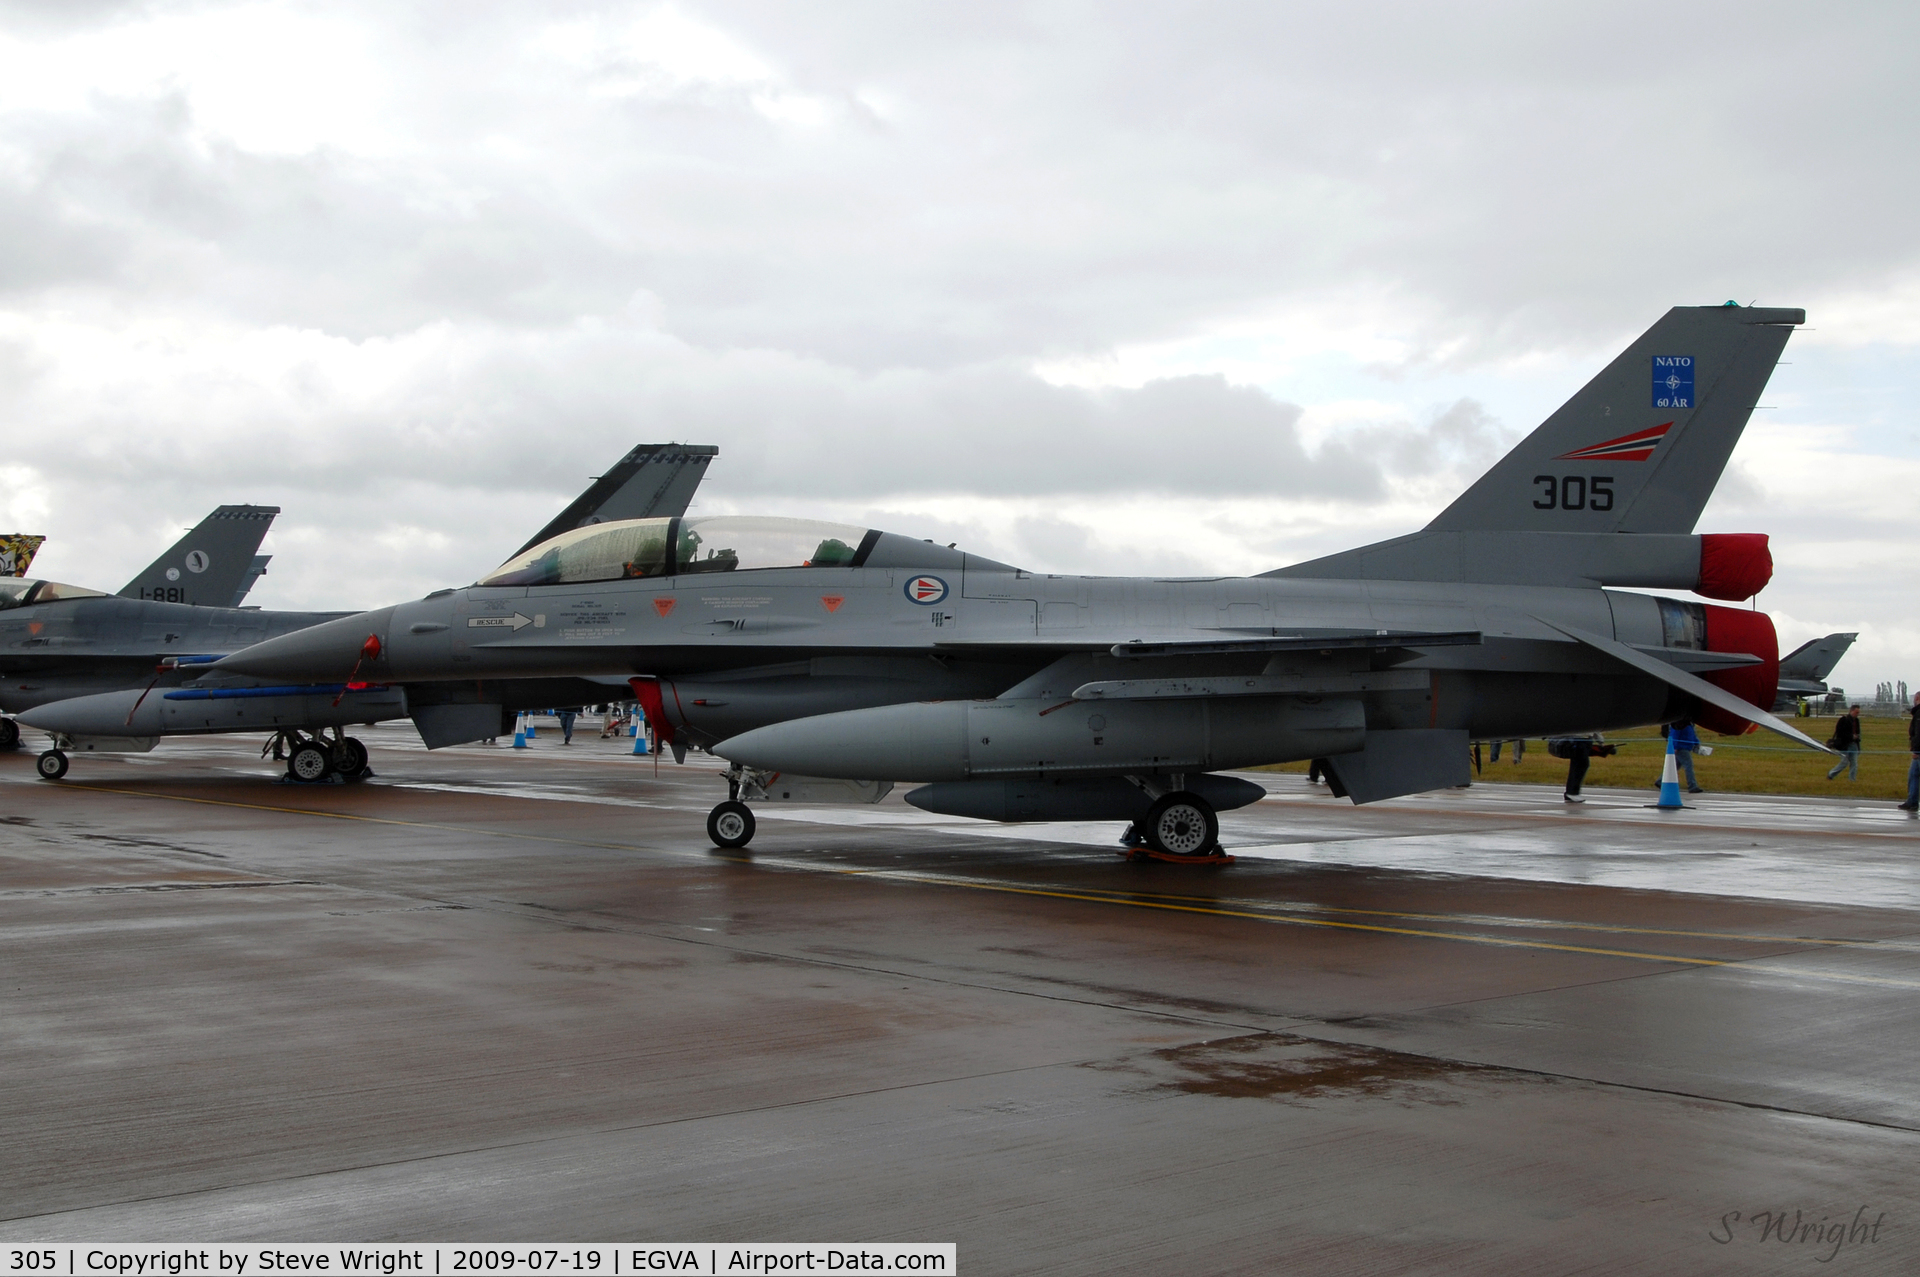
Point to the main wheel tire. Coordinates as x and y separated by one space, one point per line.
730 825
52 765
349 757
9 734
309 762
1181 824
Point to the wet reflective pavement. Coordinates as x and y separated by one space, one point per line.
502 995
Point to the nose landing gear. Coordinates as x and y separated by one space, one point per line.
730 825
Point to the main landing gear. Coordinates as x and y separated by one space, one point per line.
314 759
1180 828
9 734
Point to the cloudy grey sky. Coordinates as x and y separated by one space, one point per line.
1088 287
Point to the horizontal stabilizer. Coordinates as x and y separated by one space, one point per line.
1688 683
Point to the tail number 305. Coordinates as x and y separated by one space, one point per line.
1573 492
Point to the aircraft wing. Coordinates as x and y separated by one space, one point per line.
1688 683
655 480
1345 640
1330 640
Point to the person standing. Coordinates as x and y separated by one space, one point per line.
566 724
1685 741
1579 752
1913 766
1846 739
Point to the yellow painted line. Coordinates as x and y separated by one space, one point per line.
1283 920
369 820
1544 924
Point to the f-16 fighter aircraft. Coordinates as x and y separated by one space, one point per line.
83 668
1803 672
212 566
801 650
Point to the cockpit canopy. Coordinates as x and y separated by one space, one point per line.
633 548
21 592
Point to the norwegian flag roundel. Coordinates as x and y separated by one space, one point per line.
926 590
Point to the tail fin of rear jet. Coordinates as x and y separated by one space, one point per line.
206 566
1641 446
1814 661
655 480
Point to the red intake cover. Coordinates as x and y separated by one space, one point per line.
647 692
1734 565
1729 629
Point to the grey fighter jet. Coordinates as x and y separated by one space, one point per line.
800 650
1804 671
213 565
83 670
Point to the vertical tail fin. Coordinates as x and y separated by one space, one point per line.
1812 662
16 552
206 566
1641 446
655 480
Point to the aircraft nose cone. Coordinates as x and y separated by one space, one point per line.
326 653
103 715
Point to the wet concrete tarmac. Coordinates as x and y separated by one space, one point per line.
497 995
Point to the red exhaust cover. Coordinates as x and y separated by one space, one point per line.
1734 565
1731 629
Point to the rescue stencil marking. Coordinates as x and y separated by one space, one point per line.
664 605
926 590
1637 446
832 602
1673 381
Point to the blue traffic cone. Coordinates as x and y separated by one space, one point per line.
1669 782
531 733
520 732
633 728
639 742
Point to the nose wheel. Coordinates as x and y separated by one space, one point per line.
51 765
730 825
